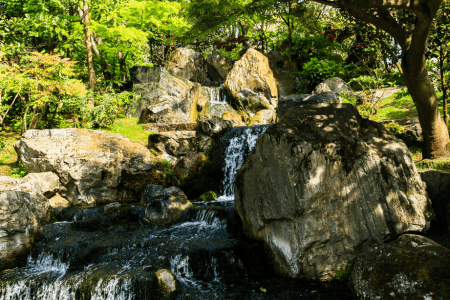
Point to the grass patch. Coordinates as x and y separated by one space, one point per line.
8 156
398 106
130 127
439 164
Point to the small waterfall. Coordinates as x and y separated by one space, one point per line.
240 145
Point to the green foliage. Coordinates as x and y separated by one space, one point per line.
208 196
365 110
107 108
395 128
317 70
344 274
20 171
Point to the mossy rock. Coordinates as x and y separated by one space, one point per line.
208 196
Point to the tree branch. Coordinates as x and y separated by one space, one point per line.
386 23
366 4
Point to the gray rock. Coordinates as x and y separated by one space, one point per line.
412 136
218 66
92 166
167 285
150 192
112 206
164 98
21 217
287 102
174 143
214 126
411 267
321 183
325 97
165 206
438 188
188 64
285 82
46 183
334 84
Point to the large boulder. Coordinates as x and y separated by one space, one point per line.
92 166
21 217
334 84
251 84
164 206
218 66
164 98
323 182
288 102
46 183
411 267
188 64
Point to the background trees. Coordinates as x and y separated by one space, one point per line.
368 43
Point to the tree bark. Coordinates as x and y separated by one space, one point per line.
84 17
415 73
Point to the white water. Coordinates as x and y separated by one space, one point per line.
235 156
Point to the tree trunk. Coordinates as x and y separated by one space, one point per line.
84 16
24 118
435 133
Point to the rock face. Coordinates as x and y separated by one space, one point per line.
174 143
285 83
287 102
214 126
21 215
438 188
164 205
218 66
411 267
164 98
251 84
334 84
92 166
46 183
188 64
263 117
321 183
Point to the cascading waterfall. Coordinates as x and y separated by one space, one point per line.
236 152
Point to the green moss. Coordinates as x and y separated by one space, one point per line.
344 273
395 128
208 196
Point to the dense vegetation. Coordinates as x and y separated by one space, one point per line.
66 63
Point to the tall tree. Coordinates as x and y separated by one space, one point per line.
83 12
413 41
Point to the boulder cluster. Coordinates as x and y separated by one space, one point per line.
331 195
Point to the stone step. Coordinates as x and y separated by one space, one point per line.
187 126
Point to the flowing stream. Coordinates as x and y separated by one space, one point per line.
111 255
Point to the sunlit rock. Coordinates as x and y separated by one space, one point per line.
92 166
322 183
